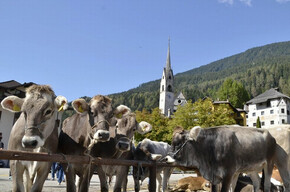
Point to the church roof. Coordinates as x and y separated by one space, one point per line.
267 95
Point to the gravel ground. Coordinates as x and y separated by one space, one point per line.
52 186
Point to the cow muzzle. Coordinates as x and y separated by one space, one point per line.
32 142
102 136
123 144
169 159
32 138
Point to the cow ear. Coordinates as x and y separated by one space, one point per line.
121 111
194 132
80 105
12 103
61 103
144 127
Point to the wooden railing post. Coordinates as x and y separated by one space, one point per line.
152 178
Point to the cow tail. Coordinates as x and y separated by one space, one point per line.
282 162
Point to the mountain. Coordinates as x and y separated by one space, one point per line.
258 69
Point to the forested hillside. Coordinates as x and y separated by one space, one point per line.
258 69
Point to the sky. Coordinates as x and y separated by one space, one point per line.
85 48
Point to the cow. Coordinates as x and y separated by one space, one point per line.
222 153
118 147
190 183
36 130
151 150
89 125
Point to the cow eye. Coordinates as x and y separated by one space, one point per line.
48 112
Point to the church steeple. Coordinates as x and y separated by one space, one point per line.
166 87
168 61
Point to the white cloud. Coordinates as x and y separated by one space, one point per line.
247 2
283 1
227 1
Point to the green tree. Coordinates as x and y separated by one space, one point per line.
258 123
201 113
158 121
233 91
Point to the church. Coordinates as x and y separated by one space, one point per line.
167 101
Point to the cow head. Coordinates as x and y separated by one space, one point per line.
39 108
179 140
100 115
127 126
144 151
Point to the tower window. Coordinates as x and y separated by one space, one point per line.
169 88
162 87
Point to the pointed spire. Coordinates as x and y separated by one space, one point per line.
168 61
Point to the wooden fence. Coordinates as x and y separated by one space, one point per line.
85 159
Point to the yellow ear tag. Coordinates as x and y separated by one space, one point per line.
61 108
80 109
119 115
16 108
144 128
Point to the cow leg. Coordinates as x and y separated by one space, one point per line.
268 173
159 179
84 181
122 173
70 178
283 162
226 182
166 175
41 176
136 179
234 182
17 170
256 181
103 180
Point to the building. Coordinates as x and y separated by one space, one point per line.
272 107
7 118
238 114
166 99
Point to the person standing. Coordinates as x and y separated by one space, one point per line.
60 173
53 170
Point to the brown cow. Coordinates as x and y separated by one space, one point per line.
81 131
118 147
36 130
190 183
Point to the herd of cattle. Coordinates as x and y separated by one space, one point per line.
220 154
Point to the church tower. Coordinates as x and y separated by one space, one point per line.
166 100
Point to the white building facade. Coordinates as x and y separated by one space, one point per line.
272 108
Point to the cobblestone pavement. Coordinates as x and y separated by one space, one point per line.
52 186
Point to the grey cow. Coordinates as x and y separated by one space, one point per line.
222 153
36 130
151 150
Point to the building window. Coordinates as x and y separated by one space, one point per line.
271 111
262 112
282 110
254 114
288 112
263 123
254 124
247 116
268 104
272 122
283 121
